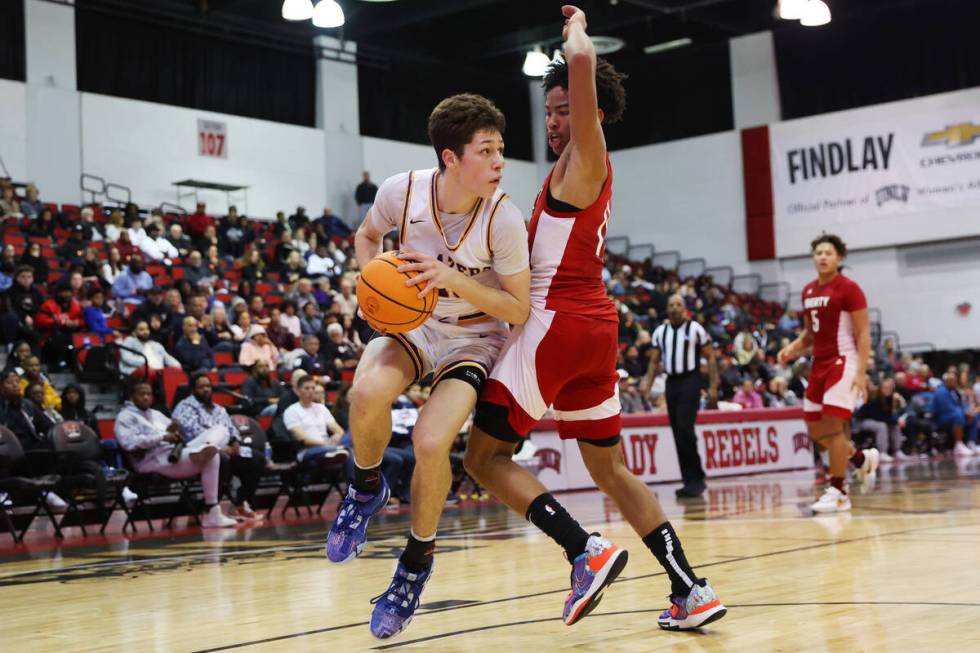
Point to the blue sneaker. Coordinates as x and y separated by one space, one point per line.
349 530
394 609
592 572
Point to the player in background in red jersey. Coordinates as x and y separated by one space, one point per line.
565 354
836 330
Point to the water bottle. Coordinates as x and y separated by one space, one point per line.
268 452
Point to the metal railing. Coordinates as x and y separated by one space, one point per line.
619 245
692 267
641 252
98 188
775 292
170 207
721 274
746 283
667 260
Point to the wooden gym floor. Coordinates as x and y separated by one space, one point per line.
900 573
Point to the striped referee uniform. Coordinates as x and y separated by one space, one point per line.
680 354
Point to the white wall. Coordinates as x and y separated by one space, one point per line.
755 85
148 146
384 158
684 195
50 44
13 128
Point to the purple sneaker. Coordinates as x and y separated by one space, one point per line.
394 609
591 573
699 608
349 530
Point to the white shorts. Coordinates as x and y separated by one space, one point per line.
469 350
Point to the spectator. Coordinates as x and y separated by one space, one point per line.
346 298
338 351
312 425
632 363
73 249
157 248
35 392
310 319
198 222
257 309
115 226
312 362
301 293
23 302
322 294
31 206
154 305
212 259
299 243
192 349
298 219
322 264
57 319
331 226
199 418
149 439
779 395
253 267
747 353
113 268
264 392
32 375
289 319
22 416
91 267
800 380
9 205
73 407
629 395
258 347
295 268
144 358
220 335
133 283
234 235
17 358
33 258
278 335
196 270
179 240
946 411
364 196
242 325
281 225
881 415
747 397
398 459
94 314
8 262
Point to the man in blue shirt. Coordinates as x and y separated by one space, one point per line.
133 283
946 410
198 415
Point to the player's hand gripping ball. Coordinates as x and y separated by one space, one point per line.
386 302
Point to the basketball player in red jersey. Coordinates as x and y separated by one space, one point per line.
836 328
565 354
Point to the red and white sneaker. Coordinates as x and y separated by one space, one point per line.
699 608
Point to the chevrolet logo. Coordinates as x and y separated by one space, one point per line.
954 135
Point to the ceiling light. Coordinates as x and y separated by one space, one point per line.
536 63
297 9
328 14
816 13
607 44
791 9
669 45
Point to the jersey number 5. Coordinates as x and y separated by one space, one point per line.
814 322
601 233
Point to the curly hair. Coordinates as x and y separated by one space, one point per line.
839 245
454 121
610 92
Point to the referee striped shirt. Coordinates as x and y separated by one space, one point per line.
680 347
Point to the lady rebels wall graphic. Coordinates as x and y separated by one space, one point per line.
729 443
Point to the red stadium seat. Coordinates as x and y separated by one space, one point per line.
173 378
224 358
265 421
107 429
234 379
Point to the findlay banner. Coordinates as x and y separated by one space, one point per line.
871 173
729 443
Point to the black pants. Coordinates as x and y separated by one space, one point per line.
683 397
248 471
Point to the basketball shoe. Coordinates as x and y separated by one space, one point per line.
592 571
868 471
394 609
832 500
699 608
349 530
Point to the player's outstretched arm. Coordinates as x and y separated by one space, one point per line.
588 143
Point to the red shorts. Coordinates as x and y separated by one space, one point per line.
560 360
830 391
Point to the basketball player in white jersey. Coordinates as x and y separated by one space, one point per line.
468 242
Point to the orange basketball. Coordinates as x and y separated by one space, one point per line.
384 299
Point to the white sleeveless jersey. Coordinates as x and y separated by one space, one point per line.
490 240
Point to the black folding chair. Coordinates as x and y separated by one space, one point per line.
80 457
21 491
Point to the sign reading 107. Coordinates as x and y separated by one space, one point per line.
212 139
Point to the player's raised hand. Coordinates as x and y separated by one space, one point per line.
572 15
786 355
431 271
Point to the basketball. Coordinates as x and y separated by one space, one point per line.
384 299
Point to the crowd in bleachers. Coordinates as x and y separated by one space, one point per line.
249 304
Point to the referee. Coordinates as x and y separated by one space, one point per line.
678 345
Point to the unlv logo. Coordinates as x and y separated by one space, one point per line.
802 441
549 459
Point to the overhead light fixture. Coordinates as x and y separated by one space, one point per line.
669 45
791 9
328 14
297 9
536 63
607 44
817 13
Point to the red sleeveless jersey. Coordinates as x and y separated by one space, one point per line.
829 308
566 255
